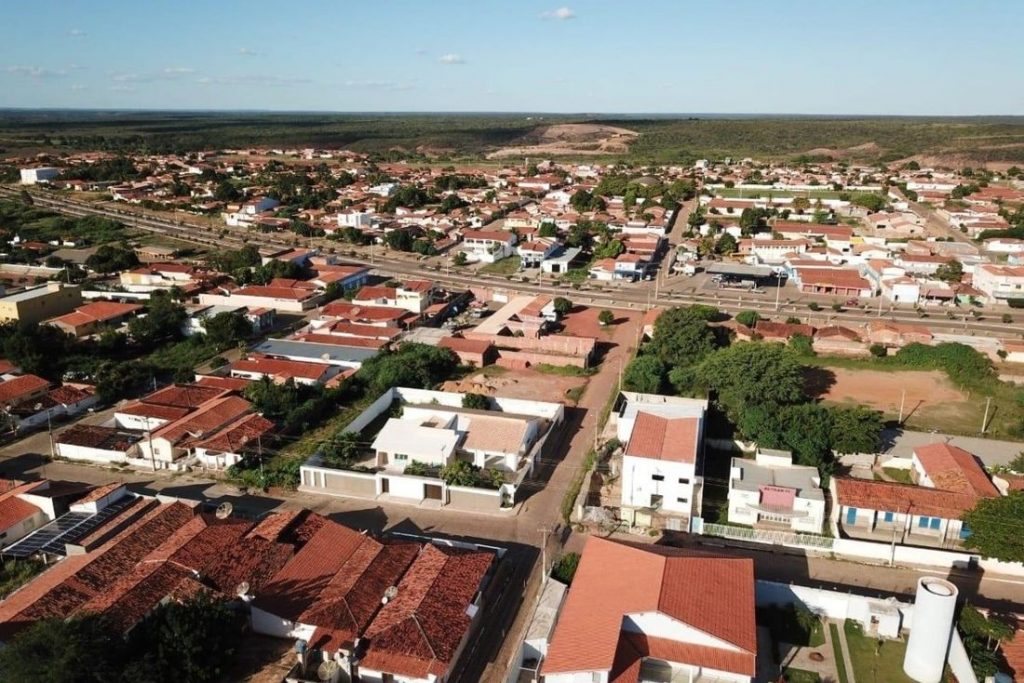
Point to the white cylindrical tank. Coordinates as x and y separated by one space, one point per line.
928 645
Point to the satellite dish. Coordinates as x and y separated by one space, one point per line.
224 510
242 589
327 670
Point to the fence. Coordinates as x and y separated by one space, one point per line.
764 536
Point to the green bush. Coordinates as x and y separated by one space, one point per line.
565 569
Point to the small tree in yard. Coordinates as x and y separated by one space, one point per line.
460 258
562 305
814 306
476 402
566 567
878 351
459 473
748 318
606 317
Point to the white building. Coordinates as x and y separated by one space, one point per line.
664 443
999 283
771 491
34 176
488 246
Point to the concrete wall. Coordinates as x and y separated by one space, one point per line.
338 482
523 359
832 604
473 499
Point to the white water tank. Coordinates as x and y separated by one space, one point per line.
928 645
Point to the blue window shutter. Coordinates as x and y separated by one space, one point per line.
888 516
965 532
922 522
851 515
936 522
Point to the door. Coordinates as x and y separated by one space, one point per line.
385 485
432 491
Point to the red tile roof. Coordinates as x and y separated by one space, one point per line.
14 510
17 388
239 435
953 469
714 595
661 438
281 368
420 631
183 395
903 498
226 383
211 416
97 311
462 345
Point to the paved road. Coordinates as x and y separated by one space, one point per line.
617 296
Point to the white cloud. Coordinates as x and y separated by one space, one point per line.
248 52
451 58
169 73
35 72
561 14
122 88
252 79
77 33
378 85
78 86
178 71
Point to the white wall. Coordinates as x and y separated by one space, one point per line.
638 483
659 625
90 454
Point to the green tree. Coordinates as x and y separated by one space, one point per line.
565 569
645 374
547 229
562 305
748 318
606 317
399 239
726 244
189 642
460 473
994 526
856 430
748 374
951 271
163 321
475 401
341 450
227 329
801 344
460 258
682 336
58 650
112 259
413 365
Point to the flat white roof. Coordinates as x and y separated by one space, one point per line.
409 438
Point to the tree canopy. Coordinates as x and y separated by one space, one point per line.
994 524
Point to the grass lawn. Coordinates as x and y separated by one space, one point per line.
506 266
837 652
898 474
744 193
800 676
874 662
784 627
189 352
564 370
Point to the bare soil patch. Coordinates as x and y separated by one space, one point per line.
570 139
932 401
525 384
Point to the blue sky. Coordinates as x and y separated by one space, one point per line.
930 57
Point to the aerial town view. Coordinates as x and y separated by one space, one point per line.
449 342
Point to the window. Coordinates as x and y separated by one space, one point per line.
684 501
684 480
936 523
658 477
401 456
922 522
888 516
965 532
851 515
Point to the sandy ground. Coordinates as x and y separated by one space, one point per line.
526 384
572 138
932 402
582 322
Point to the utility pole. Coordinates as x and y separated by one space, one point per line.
903 400
544 530
984 420
49 428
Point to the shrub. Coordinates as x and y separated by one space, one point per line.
878 350
565 568
814 306
748 318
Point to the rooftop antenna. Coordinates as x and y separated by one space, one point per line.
327 670
224 510
390 594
